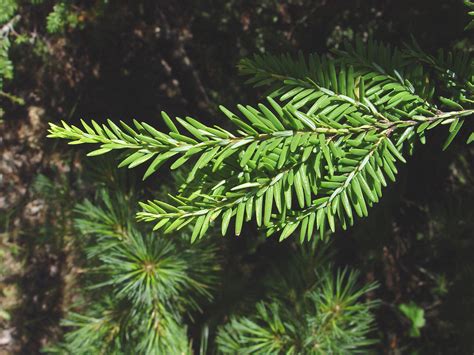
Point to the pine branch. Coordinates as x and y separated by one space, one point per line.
139 287
328 319
319 160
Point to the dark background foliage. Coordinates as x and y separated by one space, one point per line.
131 59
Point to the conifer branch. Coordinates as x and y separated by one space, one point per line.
318 158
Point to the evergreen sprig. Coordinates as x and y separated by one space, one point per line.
312 158
138 288
310 309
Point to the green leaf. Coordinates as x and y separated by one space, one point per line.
225 221
454 129
327 155
450 103
298 183
394 150
169 122
268 206
346 204
182 160
416 315
141 160
239 219
248 153
130 159
258 210
157 162
197 228
470 139
98 152
288 230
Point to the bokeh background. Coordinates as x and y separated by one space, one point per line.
127 60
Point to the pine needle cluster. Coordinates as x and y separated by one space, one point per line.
139 288
309 309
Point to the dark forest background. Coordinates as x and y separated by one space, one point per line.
132 59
